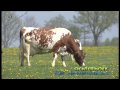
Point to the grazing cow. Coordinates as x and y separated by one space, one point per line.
43 40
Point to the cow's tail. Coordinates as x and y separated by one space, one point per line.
20 46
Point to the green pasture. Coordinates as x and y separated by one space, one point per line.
96 57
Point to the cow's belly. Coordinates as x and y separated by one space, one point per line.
35 50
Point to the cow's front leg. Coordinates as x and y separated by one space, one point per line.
72 57
63 60
55 58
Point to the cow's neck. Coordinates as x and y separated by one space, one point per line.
72 47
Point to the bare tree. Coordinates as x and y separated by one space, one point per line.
10 28
97 21
30 21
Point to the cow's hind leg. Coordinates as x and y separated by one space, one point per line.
55 58
63 60
21 57
28 58
22 61
27 55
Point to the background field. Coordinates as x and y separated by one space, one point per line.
41 65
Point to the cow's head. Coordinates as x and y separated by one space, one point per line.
80 56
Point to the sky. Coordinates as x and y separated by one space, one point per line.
42 16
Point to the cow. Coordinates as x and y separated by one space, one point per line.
43 40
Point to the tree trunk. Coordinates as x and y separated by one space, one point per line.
96 40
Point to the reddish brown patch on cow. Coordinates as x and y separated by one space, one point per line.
44 35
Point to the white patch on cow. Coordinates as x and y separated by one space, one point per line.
28 29
55 58
78 41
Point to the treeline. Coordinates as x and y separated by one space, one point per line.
107 42
113 42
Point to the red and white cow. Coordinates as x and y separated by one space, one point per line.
43 40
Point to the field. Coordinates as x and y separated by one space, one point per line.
101 63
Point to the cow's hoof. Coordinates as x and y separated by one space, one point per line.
21 65
53 65
64 65
29 65
83 64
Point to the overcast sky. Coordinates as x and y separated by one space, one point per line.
42 16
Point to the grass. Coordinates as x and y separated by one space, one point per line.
41 65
